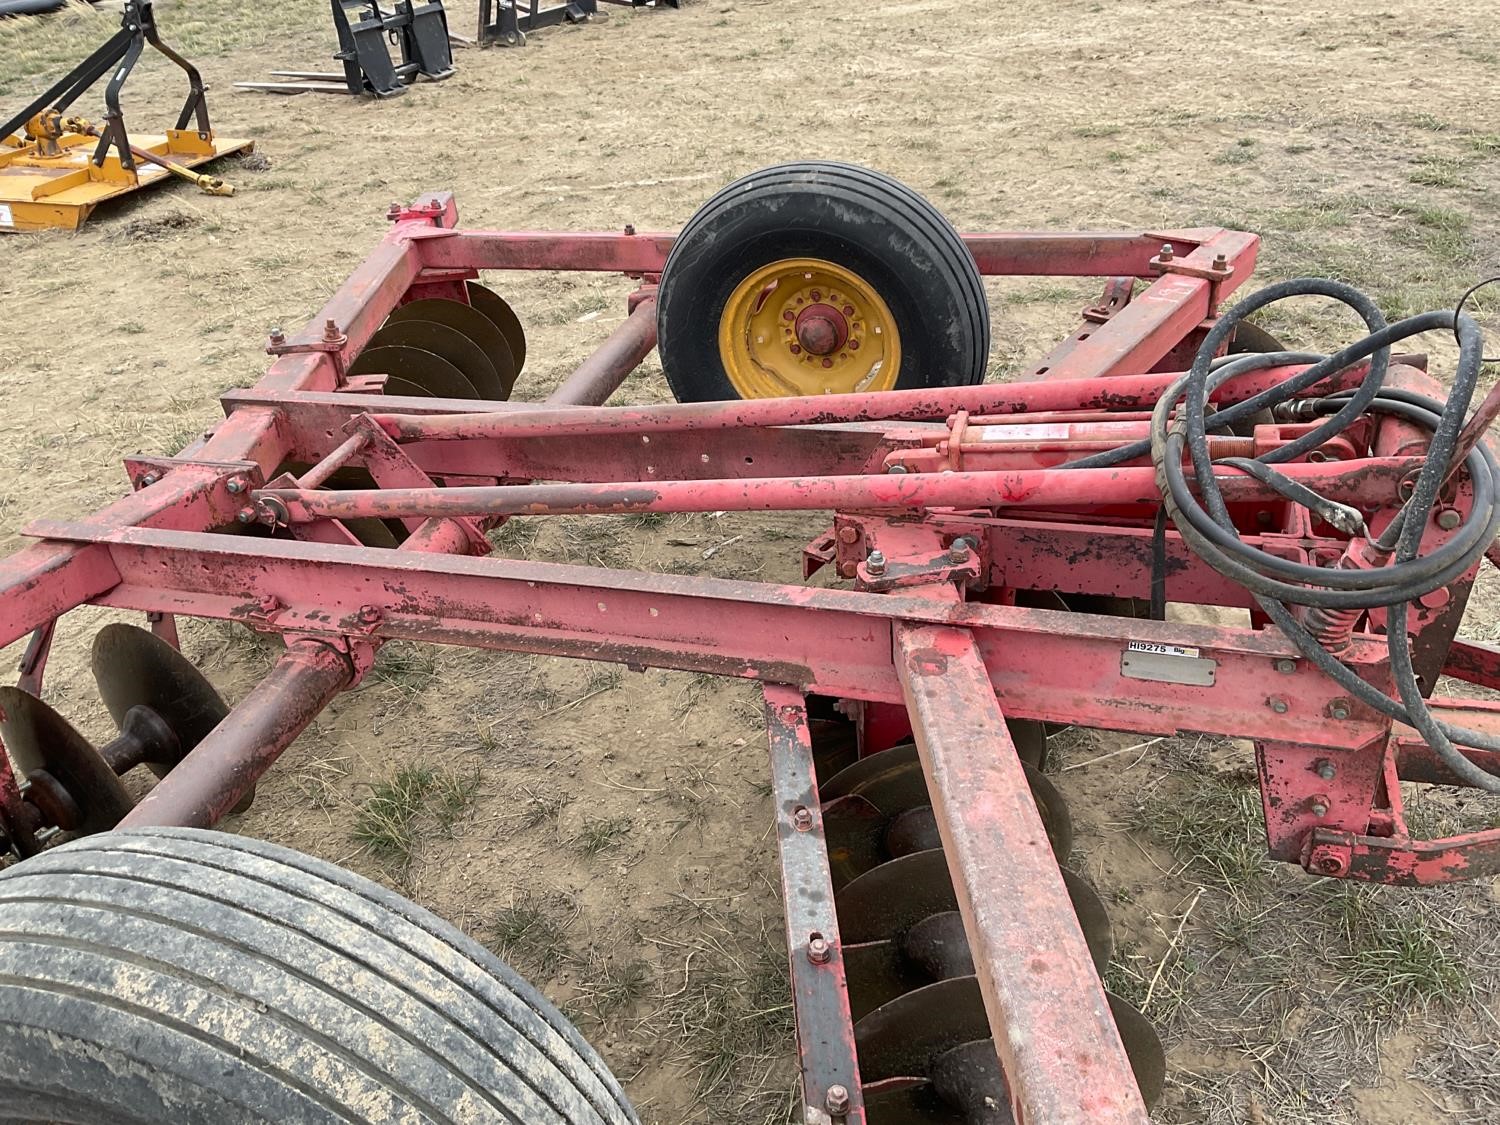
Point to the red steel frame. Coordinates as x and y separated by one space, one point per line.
930 629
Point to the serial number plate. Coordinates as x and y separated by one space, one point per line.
6 218
1167 664
1162 650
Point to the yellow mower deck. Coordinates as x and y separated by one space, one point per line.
39 192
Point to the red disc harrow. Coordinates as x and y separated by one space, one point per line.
945 962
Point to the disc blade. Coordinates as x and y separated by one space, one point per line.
969 1078
885 902
908 1104
902 1038
1030 739
395 385
498 309
1093 918
852 830
135 668
446 343
39 739
414 366
473 324
915 830
892 781
876 973
372 532
1148 1060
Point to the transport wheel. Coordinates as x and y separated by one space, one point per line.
819 278
177 975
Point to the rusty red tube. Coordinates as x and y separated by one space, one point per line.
1123 392
1367 481
601 374
224 766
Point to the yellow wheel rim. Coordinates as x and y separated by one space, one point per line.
805 326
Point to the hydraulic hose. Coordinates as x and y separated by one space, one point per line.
1180 425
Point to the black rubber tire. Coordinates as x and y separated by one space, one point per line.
862 220
176 975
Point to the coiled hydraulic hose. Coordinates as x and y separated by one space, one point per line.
1183 418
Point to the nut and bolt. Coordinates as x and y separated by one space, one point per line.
959 551
1319 806
245 515
270 603
1326 770
629 229
1221 262
1286 667
1449 518
848 535
278 337
837 1101
235 485
1339 709
331 331
848 569
148 479
1278 705
370 615
802 818
875 563
1166 252
897 470
818 949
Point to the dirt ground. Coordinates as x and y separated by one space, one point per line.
610 831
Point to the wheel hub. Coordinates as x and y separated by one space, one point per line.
821 329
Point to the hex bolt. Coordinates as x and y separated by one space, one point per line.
1279 706
1339 709
802 818
875 563
959 550
1449 518
848 569
1326 770
369 615
235 485
148 479
245 515
1286 667
848 535
837 1101
1166 252
818 949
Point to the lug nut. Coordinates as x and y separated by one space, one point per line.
875 563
